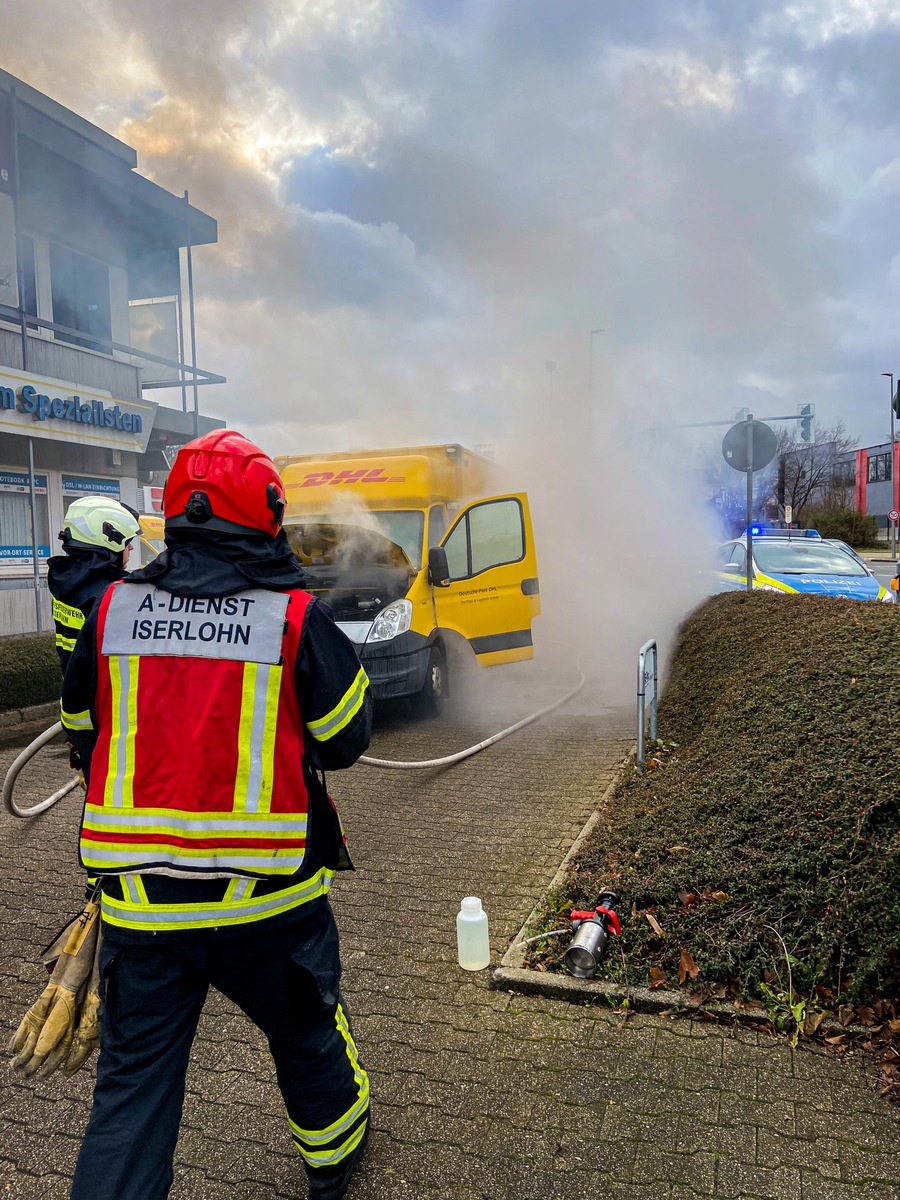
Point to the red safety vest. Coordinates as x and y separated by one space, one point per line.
198 766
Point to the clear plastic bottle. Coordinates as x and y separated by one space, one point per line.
472 935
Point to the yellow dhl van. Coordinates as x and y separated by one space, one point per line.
416 555
151 540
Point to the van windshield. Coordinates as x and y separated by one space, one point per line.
406 529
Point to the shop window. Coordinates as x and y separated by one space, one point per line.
74 486
15 518
80 290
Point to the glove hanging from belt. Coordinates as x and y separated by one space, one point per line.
62 1027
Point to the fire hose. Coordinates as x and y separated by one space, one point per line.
19 762
448 760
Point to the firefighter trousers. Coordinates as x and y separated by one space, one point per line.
285 978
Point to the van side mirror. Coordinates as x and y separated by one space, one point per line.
438 568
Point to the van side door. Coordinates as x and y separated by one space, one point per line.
492 594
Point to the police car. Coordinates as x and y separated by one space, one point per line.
797 561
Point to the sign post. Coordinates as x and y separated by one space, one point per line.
749 446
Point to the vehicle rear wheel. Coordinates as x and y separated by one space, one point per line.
430 700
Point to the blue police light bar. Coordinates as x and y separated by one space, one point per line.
781 531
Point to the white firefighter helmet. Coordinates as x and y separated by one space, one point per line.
99 521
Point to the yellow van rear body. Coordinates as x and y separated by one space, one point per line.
363 523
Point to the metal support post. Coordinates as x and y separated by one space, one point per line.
644 677
190 275
894 491
749 567
32 497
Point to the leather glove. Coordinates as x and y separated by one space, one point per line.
66 1008
45 1035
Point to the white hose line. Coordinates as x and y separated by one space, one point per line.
450 759
19 762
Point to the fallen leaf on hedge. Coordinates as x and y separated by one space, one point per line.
672 849
654 924
894 1026
845 1015
812 1023
836 1040
687 898
865 1015
696 997
657 977
687 966
719 897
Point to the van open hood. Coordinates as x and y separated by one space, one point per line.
356 570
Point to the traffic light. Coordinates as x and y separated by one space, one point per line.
895 403
807 413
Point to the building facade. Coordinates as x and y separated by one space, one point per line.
94 325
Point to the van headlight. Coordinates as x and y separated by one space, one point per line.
394 619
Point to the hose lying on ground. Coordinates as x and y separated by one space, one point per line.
19 762
447 761
450 759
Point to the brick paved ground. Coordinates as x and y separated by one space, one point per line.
479 1095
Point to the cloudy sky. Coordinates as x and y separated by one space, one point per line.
420 204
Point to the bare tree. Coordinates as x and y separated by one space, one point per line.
807 469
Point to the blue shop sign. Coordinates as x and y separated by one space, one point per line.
19 481
90 487
42 407
18 552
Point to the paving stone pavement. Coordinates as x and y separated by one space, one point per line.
478 1094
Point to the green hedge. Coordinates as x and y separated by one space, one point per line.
847 524
29 671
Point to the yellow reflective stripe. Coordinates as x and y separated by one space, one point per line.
760 579
123 678
133 885
185 823
248 694
65 643
80 720
343 712
318 1137
66 614
267 750
265 858
260 693
882 592
228 911
239 889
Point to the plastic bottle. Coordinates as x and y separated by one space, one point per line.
472 935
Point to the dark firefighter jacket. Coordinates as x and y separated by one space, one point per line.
77 580
326 667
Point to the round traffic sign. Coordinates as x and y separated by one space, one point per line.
736 446
893 515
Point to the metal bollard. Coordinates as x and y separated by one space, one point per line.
647 675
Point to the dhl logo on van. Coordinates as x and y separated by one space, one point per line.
317 478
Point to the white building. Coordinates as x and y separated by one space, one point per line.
91 332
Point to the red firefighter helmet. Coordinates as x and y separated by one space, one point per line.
223 482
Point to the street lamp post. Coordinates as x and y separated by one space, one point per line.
890 375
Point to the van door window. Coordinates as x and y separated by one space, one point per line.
488 535
496 534
437 525
457 547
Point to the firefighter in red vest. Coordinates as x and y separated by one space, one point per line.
207 695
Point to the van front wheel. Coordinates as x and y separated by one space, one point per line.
430 700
